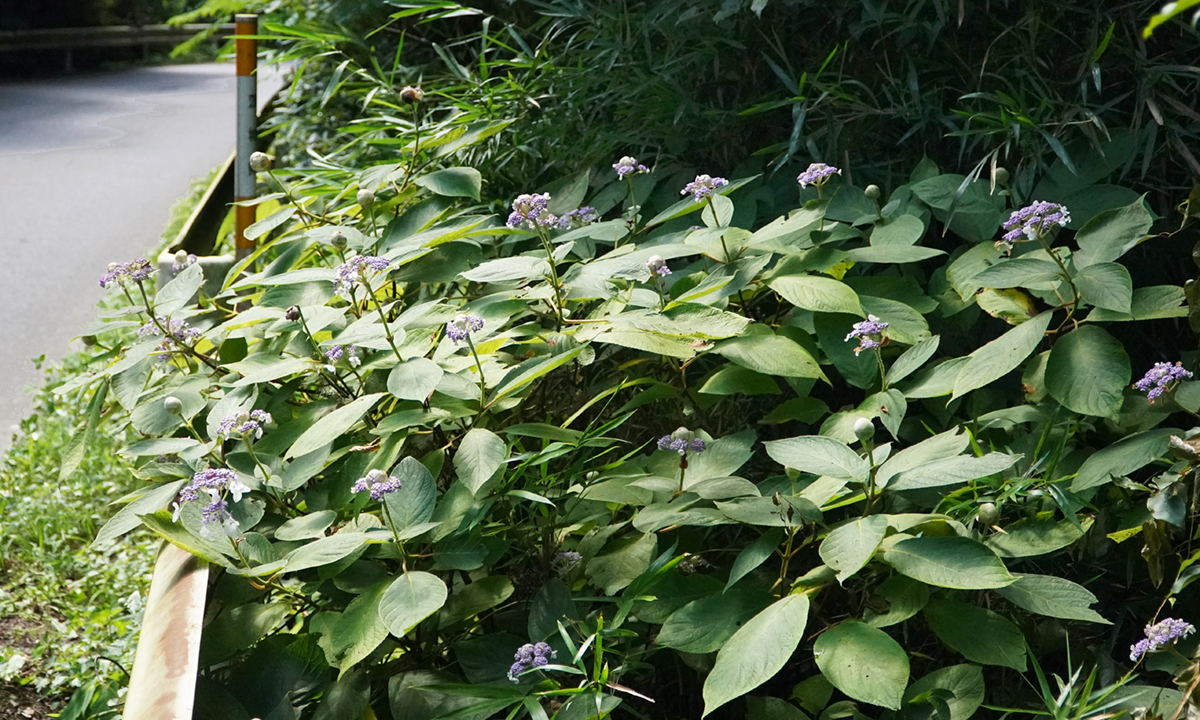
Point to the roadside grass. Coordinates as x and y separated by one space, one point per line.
70 612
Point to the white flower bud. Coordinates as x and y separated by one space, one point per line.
864 429
366 199
338 239
988 514
173 405
260 161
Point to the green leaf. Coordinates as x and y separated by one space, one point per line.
551 605
324 551
74 453
1002 355
411 598
977 634
1017 272
902 230
306 527
1087 372
358 630
689 205
1121 458
892 254
1110 234
705 625
902 597
940 446
238 628
1106 285
413 503
453 182
964 682
771 708
179 291
267 224
525 374
753 555
179 536
414 379
332 426
614 570
849 547
771 355
1053 597
480 454
1034 536
951 471
470 600
518 267
1149 303
905 325
153 499
757 651
732 379
912 359
952 562
863 662
818 455
819 294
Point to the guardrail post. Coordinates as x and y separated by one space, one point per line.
247 128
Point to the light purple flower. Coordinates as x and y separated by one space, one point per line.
817 174
357 271
682 441
1031 221
530 211
124 273
1158 635
350 352
627 165
657 266
579 217
244 424
216 483
530 656
869 333
1160 379
183 260
377 483
180 333
703 187
462 326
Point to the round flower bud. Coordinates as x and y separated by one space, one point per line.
173 405
366 199
181 256
89 340
338 239
864 429
260 161
412 95
988 514
872 192
377 476
1001 176
292 313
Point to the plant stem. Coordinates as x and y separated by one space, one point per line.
387 331
883 383
1066 276
479 366
558 303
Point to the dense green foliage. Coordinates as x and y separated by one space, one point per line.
897 528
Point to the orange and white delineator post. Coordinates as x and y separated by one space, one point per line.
244 179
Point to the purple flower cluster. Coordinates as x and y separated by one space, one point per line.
1167 631
244 424
180 332
377 483
682 441
461 327
337 352
122 273
530 656
183 260
1160 379
355 271
657 266
530 211
869 333
214 482
579 217
628 166
817 174
703 187
1031 221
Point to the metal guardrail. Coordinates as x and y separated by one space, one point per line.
111 36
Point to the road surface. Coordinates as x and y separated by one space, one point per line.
89 167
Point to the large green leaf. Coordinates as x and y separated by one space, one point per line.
818 455
470 600
1087 372
324 551
1053 597
1111 234
849 547
951 471
1002 355
753 555
614 570
453 182
819 294
952 562
411 598
704 625
358 630
1106 285
771 355
964 682
757 651
413 503
414 379
863 662
1122 457
1017 272
912 359
179 291
479 456
976 633
1034 536
332 426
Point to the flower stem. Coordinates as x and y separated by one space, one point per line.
387 331
558 303
479 366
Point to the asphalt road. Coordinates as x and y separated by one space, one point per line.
89 167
